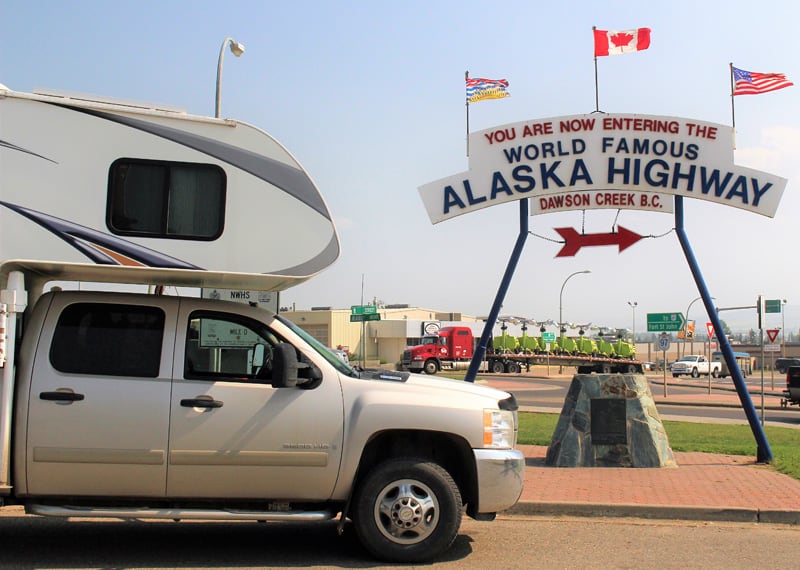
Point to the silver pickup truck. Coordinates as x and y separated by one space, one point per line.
144 406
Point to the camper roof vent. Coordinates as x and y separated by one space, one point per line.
108 100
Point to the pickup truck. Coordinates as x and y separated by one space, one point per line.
142 406
791 396
695 365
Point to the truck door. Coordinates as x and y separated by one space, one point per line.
98 407
235 436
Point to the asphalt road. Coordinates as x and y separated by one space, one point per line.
548 393
508 542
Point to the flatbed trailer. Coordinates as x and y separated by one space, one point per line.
511 363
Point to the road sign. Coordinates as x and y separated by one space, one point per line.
362 318
549 336
665 322
772 348
710 329
364 310
663 342
772 305
772 334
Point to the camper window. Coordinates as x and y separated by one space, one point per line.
164 199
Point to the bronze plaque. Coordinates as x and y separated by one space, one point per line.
609 421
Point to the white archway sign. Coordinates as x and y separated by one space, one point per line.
602 161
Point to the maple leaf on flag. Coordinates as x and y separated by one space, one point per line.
621 39
618 42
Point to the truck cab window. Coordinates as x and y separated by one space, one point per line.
108 339
223 347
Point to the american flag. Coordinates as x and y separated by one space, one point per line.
479 89
752 83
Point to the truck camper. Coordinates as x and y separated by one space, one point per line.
116 182
142 406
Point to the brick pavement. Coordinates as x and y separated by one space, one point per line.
703 487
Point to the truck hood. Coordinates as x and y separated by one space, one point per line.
441 384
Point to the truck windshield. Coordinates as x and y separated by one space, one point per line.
430 340
320 348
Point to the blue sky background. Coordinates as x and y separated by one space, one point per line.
369 96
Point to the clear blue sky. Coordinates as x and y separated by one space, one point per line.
369 96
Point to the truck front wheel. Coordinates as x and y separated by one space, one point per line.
407 510
695 373
431 367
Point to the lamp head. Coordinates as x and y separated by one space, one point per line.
237 48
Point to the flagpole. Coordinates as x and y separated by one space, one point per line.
733 109
466 78
596 95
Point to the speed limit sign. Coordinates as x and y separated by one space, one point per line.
663 342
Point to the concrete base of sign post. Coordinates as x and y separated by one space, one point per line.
609 420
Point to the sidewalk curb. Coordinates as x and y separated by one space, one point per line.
687 513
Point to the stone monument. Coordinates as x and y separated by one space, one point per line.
609 420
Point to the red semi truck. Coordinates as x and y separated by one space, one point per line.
453 347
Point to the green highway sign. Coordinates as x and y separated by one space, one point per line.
364 310
772 305
665 322
365 317
549 336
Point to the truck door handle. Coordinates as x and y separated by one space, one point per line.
202 402
61 396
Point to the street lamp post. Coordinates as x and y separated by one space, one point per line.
687 324
783 327
237 49
561 297
561 329
633 305
686 331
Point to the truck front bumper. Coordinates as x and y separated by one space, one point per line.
500 476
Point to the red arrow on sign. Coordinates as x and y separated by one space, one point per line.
773 334
573 241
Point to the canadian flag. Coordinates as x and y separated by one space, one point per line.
608 42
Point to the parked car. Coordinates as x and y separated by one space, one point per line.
782 364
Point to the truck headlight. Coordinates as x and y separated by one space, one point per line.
499 429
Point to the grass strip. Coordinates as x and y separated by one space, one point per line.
729 439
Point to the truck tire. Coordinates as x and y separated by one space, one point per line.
695 373
512 368
407 510
715 373
497 367
430 367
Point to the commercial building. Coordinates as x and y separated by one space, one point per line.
381 340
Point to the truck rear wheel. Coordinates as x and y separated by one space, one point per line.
407 510
715 373
497 367
430 367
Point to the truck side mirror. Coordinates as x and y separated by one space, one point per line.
284 366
